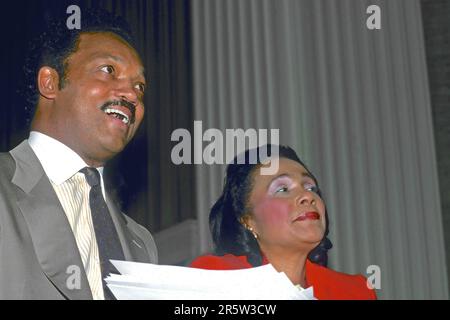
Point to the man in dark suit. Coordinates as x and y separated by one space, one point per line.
58 225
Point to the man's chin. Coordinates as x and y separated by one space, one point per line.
111 148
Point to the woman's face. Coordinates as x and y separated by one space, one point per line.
286 211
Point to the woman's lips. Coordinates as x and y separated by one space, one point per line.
308 215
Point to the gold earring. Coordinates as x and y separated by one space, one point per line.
253 232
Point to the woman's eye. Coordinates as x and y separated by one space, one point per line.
312 188
108 69
281 189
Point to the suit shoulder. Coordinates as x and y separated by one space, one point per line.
225 262
7 163
7 169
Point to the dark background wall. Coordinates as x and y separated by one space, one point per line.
436 21
151 189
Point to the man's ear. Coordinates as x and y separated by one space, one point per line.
48 82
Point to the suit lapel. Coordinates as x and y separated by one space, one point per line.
133 247
52 236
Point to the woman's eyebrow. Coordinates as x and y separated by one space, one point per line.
287 175
284 175
308 175
281 176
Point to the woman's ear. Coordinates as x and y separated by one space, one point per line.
48 82
246 221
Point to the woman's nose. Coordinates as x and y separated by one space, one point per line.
306 198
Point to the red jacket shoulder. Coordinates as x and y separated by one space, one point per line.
334 285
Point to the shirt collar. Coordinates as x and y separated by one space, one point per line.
58 160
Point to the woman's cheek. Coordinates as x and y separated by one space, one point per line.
273 212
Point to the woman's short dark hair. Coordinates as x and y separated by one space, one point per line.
52 47
228 233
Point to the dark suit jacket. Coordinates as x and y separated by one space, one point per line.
327 284
39 258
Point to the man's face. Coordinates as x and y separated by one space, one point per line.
101 106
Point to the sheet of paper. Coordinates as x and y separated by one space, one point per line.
150 281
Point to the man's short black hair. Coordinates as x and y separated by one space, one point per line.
58 42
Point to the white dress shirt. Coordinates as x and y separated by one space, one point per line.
58 160
61 164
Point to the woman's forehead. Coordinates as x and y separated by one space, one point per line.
285 167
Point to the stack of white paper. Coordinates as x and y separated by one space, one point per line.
159 282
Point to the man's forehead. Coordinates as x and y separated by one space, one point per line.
94 40
105 45
96 36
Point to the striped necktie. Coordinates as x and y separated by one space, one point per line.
105 232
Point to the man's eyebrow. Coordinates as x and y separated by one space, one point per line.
102 55
117 59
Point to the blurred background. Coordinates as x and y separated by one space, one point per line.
366 110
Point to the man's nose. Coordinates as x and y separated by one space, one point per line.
125 90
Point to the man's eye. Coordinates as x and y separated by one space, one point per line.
140 87
108 69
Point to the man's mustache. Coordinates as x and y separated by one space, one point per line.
124 103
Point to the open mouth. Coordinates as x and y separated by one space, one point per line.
118 115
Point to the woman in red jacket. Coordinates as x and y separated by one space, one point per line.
278 218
